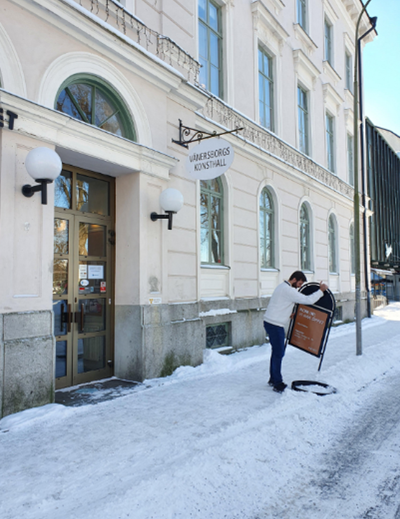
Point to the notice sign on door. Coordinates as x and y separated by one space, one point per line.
96 272
309 329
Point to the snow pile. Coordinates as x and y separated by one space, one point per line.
219 311
209 442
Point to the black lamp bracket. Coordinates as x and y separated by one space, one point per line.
186 131
168 216
28 190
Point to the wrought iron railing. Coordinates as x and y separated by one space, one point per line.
115 14
218 111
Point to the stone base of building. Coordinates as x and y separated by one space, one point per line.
27 361
150 341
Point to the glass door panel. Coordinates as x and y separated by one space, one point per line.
82 277
91 354
92 314
92 239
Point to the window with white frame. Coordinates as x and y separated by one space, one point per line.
332 245
349 71
211 221
210 46
267 227
266 89
303 120
352 254
302 14
305 238
330 142
350 158
328 54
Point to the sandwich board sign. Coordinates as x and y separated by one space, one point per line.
310 325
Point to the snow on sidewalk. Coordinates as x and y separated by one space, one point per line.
207 442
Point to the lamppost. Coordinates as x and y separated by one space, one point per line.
356 193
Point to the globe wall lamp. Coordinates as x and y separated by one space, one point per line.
171 200
44 166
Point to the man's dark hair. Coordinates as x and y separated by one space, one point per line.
298 276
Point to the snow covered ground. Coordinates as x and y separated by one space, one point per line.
216 442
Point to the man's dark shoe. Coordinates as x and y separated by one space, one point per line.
280 388
270 383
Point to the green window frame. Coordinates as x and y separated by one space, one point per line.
328 41
352 253
350 158
93 101
330 143
303 120
210 46
349 71
266 90
267 229
211 222
305 238
302 14
332 245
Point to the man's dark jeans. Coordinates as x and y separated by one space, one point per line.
277 339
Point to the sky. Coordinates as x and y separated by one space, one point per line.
381 63
215 442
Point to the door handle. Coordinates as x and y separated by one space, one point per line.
69 319
82 316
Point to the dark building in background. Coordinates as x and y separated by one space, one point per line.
383 183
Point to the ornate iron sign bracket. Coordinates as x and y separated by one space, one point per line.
186 131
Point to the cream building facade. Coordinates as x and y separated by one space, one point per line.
91 286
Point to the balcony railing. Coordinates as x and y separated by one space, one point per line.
226 116
114 14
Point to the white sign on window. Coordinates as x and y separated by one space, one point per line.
209 159
83 271
96 271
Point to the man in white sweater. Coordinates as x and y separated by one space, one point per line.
276 319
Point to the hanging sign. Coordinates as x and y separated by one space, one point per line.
209 159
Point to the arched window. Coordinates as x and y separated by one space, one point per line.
93 101
352 255
305 238
267 235
332 238
211 227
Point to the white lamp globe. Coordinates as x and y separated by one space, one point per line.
43 164
171 200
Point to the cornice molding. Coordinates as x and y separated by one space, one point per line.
330 72
304 39
332 99
85 140
262 17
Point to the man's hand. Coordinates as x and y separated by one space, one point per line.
322 286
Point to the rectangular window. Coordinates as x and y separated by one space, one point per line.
328 42
350 158
302 14
266 90
349 70
210 46
302 101
217 335
330 143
